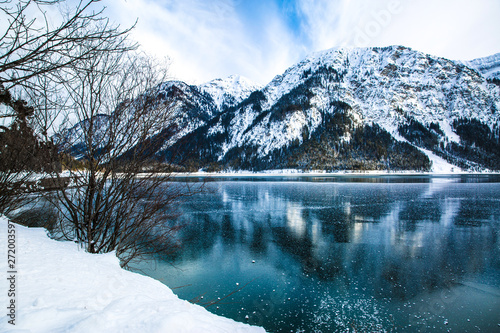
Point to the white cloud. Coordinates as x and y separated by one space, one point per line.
457 29
189 32
345 22
206 39
209 39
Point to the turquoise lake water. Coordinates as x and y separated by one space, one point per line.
337 254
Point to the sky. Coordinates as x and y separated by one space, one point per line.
259 39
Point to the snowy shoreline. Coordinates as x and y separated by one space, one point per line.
61 288
295 173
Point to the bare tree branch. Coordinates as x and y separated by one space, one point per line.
29 49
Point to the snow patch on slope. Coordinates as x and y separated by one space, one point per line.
440 165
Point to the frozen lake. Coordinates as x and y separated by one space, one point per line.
336 254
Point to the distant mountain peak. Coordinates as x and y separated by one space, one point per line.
230 90
489 66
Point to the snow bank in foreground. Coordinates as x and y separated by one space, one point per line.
61 288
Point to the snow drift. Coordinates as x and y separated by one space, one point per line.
61 288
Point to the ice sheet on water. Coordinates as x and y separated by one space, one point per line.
358 314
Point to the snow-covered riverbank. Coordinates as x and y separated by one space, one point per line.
61 288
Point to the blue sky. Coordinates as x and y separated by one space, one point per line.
258 39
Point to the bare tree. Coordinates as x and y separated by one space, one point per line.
32 53
86 69
119 201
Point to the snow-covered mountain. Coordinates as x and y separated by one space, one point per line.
188 106
389 108
489 67
363 108
194 106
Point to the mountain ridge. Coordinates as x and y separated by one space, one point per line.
389 108
489 66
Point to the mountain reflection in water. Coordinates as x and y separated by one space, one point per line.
386 251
